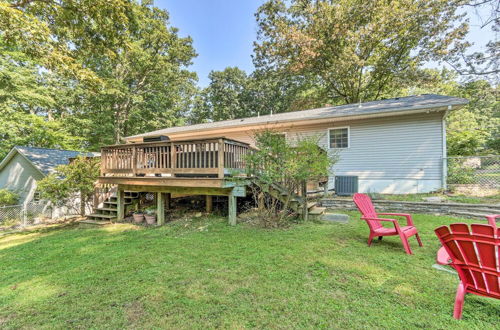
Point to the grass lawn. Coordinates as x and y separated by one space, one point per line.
202 273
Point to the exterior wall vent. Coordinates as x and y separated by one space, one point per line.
346 185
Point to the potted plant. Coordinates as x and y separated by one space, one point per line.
138 216
150 215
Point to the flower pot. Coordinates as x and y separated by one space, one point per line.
138 217
150 219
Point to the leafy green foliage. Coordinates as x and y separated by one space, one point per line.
77 179
289 164
101 70
33 130
8 197
62 34
357 49
459 174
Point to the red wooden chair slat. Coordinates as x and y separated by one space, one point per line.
474 254
374 221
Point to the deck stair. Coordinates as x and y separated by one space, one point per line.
108 212
296 202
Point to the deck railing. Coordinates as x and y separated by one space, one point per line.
175 158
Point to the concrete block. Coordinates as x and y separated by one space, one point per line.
335 217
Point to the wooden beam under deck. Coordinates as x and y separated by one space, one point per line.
179 190
168 181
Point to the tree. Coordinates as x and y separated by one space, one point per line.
8 197
122 67
75 179
473 129
233 94
480 63
33 130
60 34
356 49
226 97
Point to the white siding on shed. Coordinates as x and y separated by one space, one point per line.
20 175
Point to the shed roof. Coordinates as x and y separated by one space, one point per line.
44 159
407 104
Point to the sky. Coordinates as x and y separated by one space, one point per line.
223 32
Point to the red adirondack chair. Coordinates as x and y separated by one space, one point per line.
365 206
443 258
473 255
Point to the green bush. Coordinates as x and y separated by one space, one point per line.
76 178
458 174
291 165
8 197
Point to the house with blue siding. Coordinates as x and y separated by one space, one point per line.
393 146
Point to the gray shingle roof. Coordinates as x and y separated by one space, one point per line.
46 160
409 104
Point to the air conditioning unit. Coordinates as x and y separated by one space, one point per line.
346 185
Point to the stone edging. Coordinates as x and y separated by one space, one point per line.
474 211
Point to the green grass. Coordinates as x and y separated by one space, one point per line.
202 273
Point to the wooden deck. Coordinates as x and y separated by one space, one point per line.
166 162
197 167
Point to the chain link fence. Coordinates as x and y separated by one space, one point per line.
20 216
479 173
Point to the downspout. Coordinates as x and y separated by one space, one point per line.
444 166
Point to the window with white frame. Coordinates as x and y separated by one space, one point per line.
338 137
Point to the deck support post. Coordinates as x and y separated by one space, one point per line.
305 211
160 208
232 208
120 204
168 197
208 203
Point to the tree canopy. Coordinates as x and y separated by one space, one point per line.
79 74
354 48
101 70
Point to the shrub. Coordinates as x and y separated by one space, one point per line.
76 178
8 197
460 174
277 161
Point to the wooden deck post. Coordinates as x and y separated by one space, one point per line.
220 161
305 211
120 204
209 203
168 196
232 209
160 208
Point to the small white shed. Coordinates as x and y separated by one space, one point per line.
24 166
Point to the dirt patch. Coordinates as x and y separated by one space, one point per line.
134 312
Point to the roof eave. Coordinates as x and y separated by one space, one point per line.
419 109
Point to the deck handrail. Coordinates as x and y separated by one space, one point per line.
175 158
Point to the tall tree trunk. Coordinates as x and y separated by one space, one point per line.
82 203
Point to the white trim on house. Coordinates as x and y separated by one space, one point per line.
444 163
348 137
